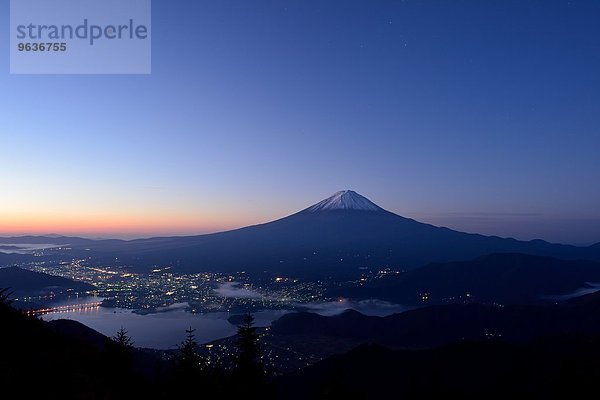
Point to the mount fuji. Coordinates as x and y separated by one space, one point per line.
333 237
345 200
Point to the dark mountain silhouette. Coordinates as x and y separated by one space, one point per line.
9 248
335 236
57 240
505 278
55 247
77 331
65 359
33 353
552 368
438 325
25 282
563 363
299 339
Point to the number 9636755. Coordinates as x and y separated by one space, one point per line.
42 47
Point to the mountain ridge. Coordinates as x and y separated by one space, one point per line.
26 282
502 278
336 236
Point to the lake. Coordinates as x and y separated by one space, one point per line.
166 330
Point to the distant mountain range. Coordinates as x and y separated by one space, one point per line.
333 237
438 325
504 278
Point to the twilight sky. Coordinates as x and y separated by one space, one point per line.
482 116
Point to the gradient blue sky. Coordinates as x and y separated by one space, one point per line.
478 115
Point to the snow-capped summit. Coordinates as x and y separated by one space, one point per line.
345 200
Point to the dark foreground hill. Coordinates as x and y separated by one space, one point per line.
554 368
23 282
66 360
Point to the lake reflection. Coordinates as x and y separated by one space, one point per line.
163 330
166 329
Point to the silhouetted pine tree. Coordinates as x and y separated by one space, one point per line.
119 363
189 359
189 365
123 340
249 373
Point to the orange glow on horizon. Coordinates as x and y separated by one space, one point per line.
115 225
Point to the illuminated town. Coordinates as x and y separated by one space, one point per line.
161 288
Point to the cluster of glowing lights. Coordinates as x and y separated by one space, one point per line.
65 309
